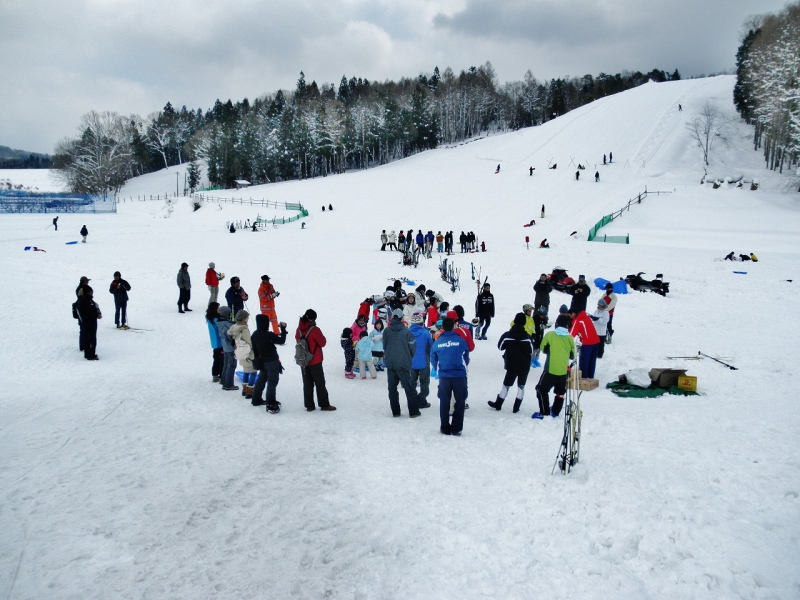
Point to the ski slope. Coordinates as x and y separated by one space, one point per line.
135 476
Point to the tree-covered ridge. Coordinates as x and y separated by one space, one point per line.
767 91
316 130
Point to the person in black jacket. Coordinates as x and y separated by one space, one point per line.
266 360
517 348
236 296
88 313
542 289
84 283
580 294
84 233
120 288
484 311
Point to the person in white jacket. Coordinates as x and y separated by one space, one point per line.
600 318
392 240
410 308
611 300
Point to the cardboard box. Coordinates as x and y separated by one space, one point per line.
588 385
688 383
666 377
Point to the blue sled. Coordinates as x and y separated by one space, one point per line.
619 287
70 243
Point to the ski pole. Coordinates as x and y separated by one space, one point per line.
731 367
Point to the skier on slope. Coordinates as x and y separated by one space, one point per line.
120 288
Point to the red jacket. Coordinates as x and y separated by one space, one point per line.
316 341
583 326
211 278
363 309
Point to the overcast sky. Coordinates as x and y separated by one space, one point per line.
63 58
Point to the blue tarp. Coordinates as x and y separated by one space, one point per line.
620 287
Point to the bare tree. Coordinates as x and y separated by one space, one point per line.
159 136
706 128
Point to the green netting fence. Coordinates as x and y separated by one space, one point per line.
617 239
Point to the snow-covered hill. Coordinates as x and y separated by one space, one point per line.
135 476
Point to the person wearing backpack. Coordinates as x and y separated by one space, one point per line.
308 355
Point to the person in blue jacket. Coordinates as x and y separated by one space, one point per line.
218 354
420 363
450 357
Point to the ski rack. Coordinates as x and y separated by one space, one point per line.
449 274
569 451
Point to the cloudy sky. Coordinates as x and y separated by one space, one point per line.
62 58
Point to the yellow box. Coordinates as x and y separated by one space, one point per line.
688 383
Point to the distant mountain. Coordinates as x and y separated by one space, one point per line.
22 159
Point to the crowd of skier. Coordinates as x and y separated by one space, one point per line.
422 243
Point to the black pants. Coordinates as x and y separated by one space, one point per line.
89 339
183 298
547 382
268 376
314 377
483 326
120 313
383 246
521 377
216 365
403 377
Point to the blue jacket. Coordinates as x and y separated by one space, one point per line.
222 327
364 350
377 344
450 355
213 333
424 342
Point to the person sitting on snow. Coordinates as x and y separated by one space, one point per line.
753 257
544 244
744 257
730 257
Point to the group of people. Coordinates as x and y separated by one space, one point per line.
423 242
415 335
742 257
88 312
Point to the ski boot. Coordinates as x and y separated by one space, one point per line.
517 404
538 415
273 408
496 404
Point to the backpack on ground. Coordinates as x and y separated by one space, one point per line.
302 355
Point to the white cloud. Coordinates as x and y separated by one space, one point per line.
63 59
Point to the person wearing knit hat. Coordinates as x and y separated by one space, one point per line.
266 298
399 347
184 289
580 294
611 300
420 363
600 318
212 281
243 351
517 348
313 374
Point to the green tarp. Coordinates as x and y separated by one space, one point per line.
634 391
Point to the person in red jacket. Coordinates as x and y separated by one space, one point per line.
313 375
365 307
212 281
266 298
582 327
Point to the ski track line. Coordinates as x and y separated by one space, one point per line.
652 139
16 573
37 465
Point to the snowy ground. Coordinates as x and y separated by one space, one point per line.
137 477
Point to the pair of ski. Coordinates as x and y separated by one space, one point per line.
701 355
